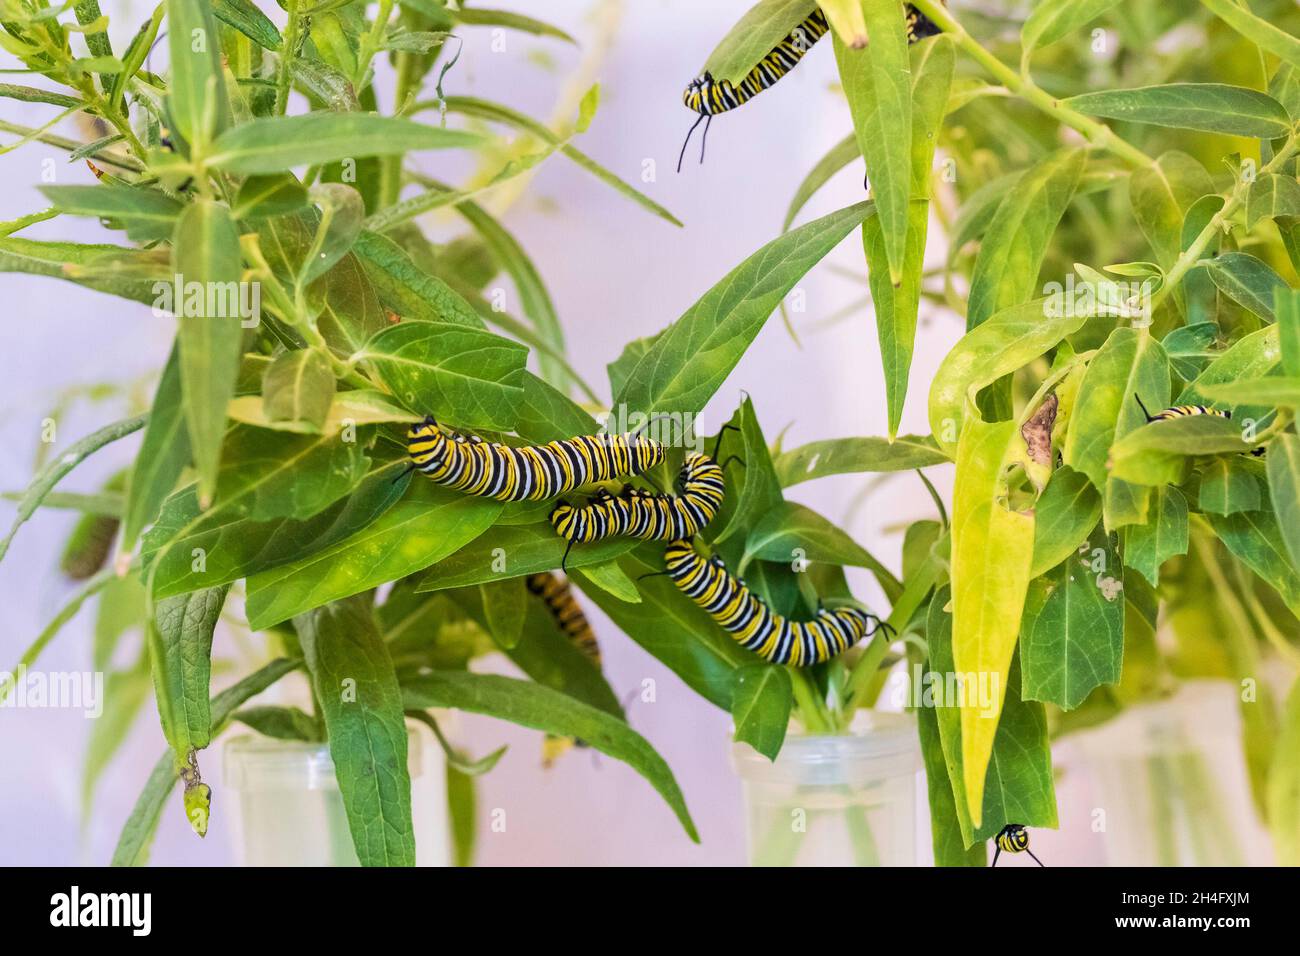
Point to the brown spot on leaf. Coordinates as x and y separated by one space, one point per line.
1037 432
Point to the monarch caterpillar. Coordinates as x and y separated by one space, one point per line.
708 96
647 515
753 624
1013 838
557 595
532 473
1180 411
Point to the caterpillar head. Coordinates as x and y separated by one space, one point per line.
423 440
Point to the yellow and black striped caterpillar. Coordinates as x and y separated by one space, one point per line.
753 624
532 473
708 96
647 515
1180 411
1013 838
557 594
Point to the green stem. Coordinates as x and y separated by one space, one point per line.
370 44
287 47
1192 254
813 714
863 672
1098 134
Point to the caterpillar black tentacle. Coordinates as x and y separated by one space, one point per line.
557 594
531 473
753 624
1013 838
708 96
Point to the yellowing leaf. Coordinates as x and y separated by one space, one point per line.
991 552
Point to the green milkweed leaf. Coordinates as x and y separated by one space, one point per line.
1284 490
463 376
762 27
760 707
272 144
1246 280
1211 107
1260 32
427 526
843 456
688 362
362 705
1012 250
205 250
199 107
1072 632
1066 514
1164 536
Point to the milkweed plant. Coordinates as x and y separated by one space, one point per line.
1113 191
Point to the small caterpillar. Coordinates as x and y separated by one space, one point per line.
1180 411
531 473
753 624
708 96
557 594
1013 838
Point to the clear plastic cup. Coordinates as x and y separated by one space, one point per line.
847 800
290 812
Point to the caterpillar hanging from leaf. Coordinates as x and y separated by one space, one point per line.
532 473
755 626
1013 838
557 594
646 515
709 97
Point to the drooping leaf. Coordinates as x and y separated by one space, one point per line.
897 307
362 706
1227 487
878 86
205 251
1255 538
945 827
992 548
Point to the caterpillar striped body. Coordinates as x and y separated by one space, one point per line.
647 515
753 624
557 594
1180 411
531 473
709 97
1013 838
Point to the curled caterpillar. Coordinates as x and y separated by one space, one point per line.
753 624
1013 838
557 594
646 515
1180 411
532 473
708 96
